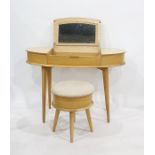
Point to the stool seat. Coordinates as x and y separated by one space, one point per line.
73 88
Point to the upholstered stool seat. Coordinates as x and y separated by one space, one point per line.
73 88
72 96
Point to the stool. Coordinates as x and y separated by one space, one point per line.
72 96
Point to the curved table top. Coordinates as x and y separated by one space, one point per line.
47 50
45 57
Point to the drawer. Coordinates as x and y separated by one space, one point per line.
37 58
112 60
73 60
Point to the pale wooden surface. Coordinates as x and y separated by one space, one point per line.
108 58
77 19
89 119
49 87
106 91
72 121
72 114
40 50
72 103
47 50
108 51
44 73
55 119
58 50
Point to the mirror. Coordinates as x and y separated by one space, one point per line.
77 33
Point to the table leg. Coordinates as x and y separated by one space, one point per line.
105 74
44 71
71 115
49 87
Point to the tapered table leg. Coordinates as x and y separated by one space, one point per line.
72 114
44 71
106 91
49 87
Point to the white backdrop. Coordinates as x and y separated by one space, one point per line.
122 28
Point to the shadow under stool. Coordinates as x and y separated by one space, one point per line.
72 96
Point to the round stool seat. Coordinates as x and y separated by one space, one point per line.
72 95
73 88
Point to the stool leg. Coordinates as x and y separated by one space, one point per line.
89 119
55 120
72 114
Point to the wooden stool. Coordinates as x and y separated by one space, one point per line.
72 96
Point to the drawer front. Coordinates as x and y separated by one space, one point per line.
37 58
112 60
74 60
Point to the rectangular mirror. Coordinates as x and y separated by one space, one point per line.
76 36
77 33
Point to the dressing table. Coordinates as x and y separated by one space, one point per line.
80 53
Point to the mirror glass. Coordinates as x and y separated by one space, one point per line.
76 33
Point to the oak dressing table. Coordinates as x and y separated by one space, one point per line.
81 53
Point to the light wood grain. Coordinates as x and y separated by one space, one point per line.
49 87
111 51
106 91
45 50
55 119
107 59
74 60
89 119
40 50
71 103
72 126
44 73
81 49
37 58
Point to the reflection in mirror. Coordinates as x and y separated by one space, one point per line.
77 33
